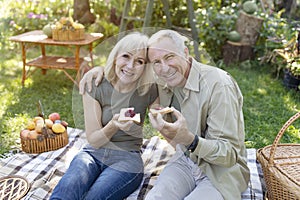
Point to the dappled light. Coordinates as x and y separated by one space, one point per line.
46 47
262 91
267 102
33 38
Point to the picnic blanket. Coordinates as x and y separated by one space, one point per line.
43 171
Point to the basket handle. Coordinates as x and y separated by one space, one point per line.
279 135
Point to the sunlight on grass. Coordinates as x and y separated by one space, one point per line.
4 99
262 91
28 82
3 5
12 125
14 67
290 103
19 104
267 105
8 98
293 131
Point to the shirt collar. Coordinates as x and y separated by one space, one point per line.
192 82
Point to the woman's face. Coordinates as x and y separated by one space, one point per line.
129 66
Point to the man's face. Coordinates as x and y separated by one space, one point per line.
168 63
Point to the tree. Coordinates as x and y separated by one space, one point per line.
82 12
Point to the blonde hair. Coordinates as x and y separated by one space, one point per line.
129 43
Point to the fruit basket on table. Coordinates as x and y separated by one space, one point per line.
67 30
41 135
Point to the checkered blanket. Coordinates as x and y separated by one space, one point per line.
44 170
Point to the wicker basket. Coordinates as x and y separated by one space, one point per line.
281 167
68 35
47 144
13 187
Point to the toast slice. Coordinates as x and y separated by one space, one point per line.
128 114
161 110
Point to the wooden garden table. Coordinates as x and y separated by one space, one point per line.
44 61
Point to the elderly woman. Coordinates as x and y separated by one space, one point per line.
110 166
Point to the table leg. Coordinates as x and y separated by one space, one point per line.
71 78
77 63
43 54
24 62
91 54
77 52
43 50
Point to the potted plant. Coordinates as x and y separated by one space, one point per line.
291 77
291 60
287 57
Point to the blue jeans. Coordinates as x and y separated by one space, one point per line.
101 174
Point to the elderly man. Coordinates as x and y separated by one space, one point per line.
208 127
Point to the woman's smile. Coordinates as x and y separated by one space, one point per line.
127 73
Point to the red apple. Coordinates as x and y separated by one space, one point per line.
54 116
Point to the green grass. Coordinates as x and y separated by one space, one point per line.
267 104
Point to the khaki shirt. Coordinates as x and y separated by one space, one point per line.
211 103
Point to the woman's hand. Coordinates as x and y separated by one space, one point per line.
124 126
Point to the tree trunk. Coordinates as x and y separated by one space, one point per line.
236 52
248 27
82 12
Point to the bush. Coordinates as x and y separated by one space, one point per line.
277 36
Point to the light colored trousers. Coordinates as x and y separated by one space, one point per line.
183 179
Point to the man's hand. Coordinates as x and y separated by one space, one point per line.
96 72
175 133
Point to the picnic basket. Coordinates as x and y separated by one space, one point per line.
44 138
281 166
47 144
13 187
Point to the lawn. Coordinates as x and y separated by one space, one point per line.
267 104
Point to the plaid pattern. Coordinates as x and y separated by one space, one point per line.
44 170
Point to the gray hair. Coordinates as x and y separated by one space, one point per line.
178 39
